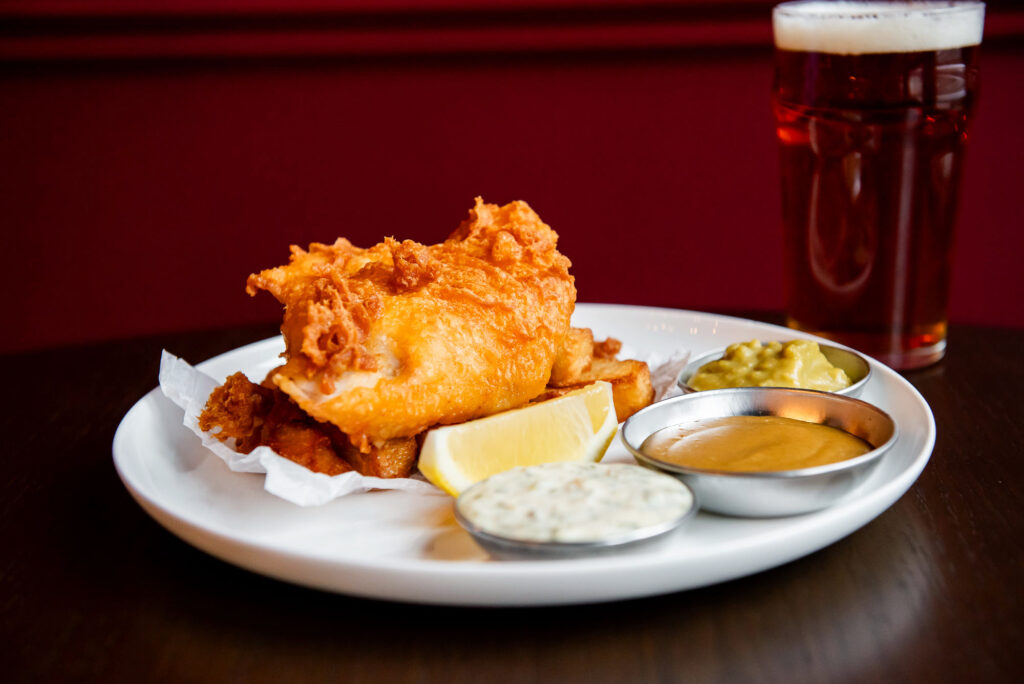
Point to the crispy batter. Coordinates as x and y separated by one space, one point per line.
388 341
238 408
607 349
255 415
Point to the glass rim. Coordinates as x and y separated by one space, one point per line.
848 9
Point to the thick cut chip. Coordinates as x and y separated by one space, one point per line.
573 357
630 381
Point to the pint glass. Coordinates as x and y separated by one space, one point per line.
872 102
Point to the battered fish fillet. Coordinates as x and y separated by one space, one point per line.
388 341
255 415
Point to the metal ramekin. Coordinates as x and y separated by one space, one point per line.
853 364
508 548
768 493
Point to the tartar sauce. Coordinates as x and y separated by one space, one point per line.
574 502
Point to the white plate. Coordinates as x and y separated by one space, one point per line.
407 547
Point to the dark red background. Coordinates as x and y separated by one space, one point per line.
150 161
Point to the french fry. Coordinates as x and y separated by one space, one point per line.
392 458
581 361
630 380
573 357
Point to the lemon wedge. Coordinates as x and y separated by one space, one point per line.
577 426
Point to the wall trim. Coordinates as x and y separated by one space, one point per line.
60 30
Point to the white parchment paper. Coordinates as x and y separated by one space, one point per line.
189 388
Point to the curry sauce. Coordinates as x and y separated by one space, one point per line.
752 444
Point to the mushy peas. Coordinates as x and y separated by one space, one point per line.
752 444
798 363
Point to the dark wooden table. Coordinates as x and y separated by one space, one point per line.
93 589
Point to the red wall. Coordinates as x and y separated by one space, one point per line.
145 171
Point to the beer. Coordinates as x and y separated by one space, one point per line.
872 103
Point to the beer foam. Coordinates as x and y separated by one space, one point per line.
855 28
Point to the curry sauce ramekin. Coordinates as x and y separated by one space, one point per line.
768 493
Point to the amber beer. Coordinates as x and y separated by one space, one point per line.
872 103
